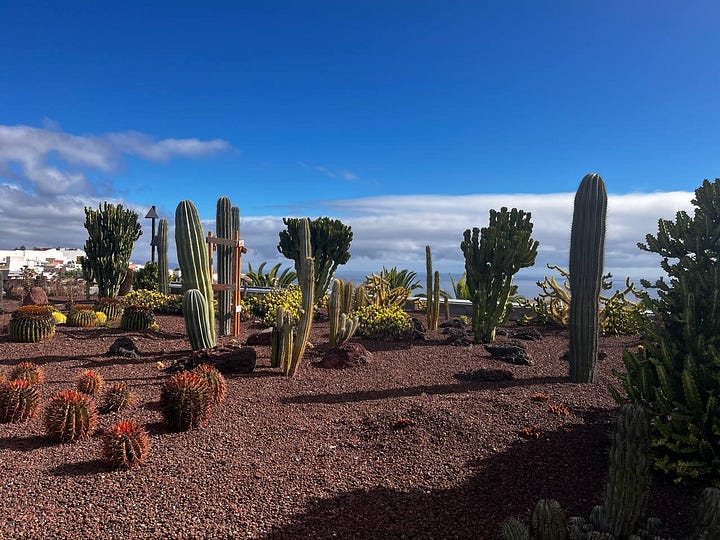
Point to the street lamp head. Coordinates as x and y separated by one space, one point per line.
152 214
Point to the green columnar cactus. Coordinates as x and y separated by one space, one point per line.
548 521
432 292
196 320
162 247
194 263
224 256
113 232
587 248
628 476
708 516
329 244
306 278
493 256
281 339
342 325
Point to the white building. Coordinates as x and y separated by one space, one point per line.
40 259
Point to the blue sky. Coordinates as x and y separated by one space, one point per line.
406 119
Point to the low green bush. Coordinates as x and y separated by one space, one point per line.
384 322
170 304
264 306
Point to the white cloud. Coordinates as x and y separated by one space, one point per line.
342 174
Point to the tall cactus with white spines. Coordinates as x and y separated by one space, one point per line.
162 246
587 248
342 325
306 278
224 229
194 262
194 308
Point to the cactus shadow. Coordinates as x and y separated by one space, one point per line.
26 444
81 468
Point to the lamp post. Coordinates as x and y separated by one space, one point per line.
152 215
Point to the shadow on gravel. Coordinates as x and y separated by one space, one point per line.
569 465
26 444
158 428
82 468
459 388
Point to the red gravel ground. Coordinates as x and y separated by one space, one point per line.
403 447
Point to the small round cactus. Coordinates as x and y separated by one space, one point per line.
31 324
117 397
28 371
90 382
126 444
186 401
83 317
70 415
215 381
111 307
19 400
137 318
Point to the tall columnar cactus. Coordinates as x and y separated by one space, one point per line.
306 278
342 325
628 476
281 340
162 247
224 229
432 292
196 320
113 232
194 263
587 248
493 255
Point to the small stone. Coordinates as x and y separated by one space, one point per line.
259 339
344 356
35 297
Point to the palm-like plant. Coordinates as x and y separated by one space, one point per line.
391 287
260 278
460 288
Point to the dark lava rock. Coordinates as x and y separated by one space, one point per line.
343 356
457 336
485 375
35 297
529 334
419 331
124 346
453 323
509 352
260 338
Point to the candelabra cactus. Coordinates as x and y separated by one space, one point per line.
90 382
28 371
342 325
493 255
587 248
195 265
126 444
31 324
186 401
196 317
137 318
82 317
19 400
117 397
70 415
162 247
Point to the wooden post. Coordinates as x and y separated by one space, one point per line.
238 249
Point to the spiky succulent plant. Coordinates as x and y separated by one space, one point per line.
137 318
19 400
31 324
126 444
82 316
117 397
186 401
90 382
28 371
215 381
70 415
111 307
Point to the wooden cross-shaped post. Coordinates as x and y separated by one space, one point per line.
238 249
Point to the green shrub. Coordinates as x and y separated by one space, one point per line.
147 277
170 304
264 306
384 322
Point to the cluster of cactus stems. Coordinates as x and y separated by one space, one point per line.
19 400
625 495
111 307
28 371
31 324
126 444
70 415
226 226
432 292
186 401
90 382
587 248
137 318
493 255
82 317
117 397
281 339
162 247
112 232
306 278
215 381
342 324
195 267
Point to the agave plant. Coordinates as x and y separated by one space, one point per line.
391 287
460 288
260 278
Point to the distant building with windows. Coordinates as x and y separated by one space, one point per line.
41 260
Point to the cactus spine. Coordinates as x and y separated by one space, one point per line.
224 229
432 292
162 247
195 315
194 264
282 339
342 326
587 247
306 278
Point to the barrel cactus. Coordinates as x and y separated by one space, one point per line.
83 317
137 318
186 401
90 382
111 307
126 444
19 400
28 371
215 381
70 415
31 324
117 397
